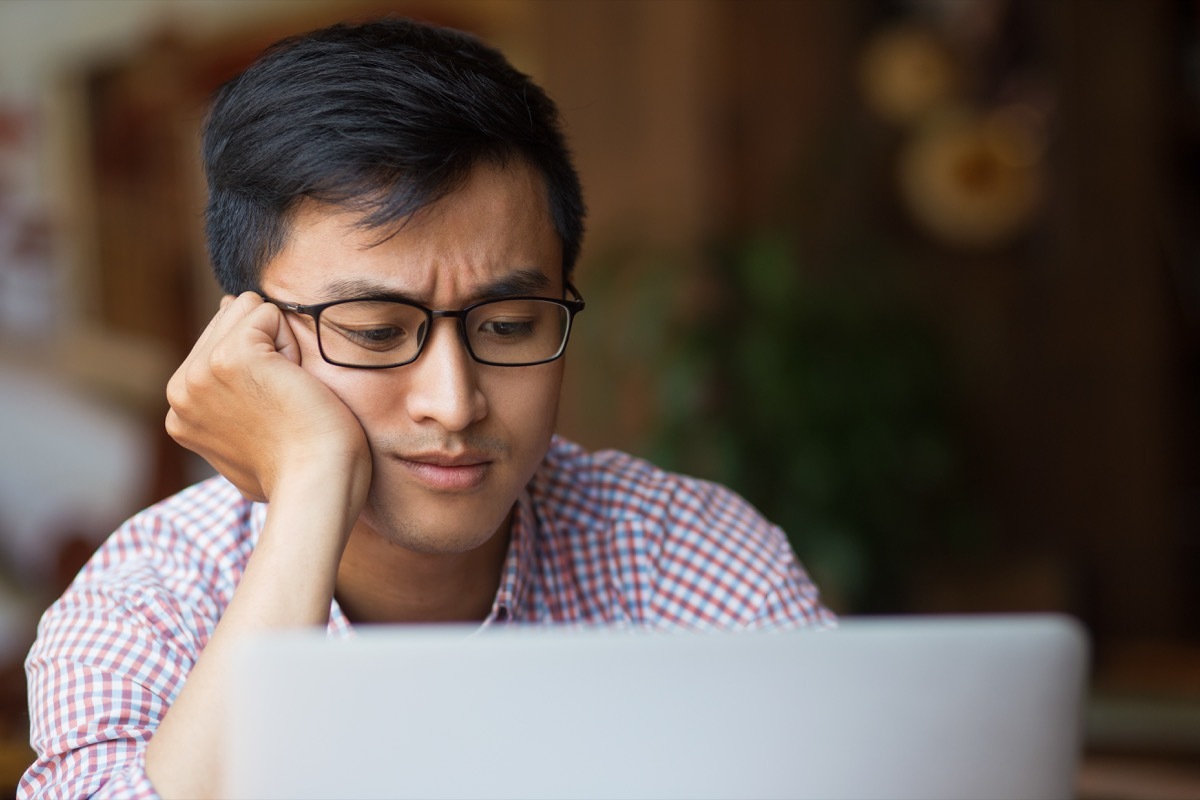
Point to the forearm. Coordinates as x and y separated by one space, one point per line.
288 582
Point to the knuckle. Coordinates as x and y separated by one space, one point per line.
177 430
191 384
176 390
222 362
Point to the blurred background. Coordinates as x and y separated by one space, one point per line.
919 279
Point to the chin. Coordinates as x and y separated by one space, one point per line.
437 532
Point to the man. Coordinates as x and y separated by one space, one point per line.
395 217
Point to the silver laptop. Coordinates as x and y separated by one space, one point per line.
953 707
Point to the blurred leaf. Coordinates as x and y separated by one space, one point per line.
815 394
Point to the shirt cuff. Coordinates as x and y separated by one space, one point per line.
129 784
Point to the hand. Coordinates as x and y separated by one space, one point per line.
242 401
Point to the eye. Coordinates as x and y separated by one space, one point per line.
377 326
507 329
377 335
375 338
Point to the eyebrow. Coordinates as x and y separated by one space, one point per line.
515 284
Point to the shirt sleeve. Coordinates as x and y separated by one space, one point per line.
110 657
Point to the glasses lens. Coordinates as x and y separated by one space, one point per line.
371 333
517 331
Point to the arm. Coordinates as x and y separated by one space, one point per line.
109 655
242 400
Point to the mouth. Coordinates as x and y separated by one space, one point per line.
447 473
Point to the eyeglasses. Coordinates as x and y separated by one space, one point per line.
380 333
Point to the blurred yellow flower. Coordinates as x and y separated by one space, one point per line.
905 72
971 180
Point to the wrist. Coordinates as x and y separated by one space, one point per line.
293 569
320 488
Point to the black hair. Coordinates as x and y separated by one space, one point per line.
382 117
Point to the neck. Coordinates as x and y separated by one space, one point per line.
381 582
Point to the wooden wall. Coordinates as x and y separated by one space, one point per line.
690 119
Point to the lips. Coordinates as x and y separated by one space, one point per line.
447 473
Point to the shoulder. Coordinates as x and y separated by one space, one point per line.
154 590
692 551
209 520
178 558
601 485
119 643
608 486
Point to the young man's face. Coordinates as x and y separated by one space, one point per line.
453 441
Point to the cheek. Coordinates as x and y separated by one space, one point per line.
527 400
352 386
523 402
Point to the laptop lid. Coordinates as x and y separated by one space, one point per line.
969 707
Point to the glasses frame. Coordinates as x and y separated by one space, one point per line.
573 307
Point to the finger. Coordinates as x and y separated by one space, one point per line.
227 320
273 322
177 384
224 319
172 424
215 339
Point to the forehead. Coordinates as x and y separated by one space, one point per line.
496 225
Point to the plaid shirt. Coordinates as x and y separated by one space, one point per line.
597 538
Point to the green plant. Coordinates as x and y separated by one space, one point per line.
820 398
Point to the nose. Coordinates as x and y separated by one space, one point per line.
443 382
